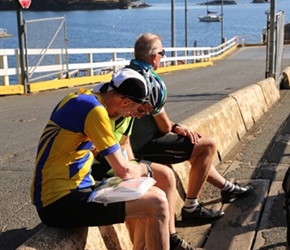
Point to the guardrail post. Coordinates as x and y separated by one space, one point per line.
4 67
114 59
195 52
185 54
175 62
59 61
90 60
18 67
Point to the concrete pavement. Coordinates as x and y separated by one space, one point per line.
190 91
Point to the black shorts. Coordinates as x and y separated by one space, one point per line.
166 149
73 210
99 170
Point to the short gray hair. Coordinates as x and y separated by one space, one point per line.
146 46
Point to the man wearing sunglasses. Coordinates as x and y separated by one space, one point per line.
151 140
157 138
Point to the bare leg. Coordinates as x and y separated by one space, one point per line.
201 162
166 181
136 228
153 207
215 178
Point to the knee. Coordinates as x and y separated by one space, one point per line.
206 146
207 143
164 176
158 204
169 176
211 142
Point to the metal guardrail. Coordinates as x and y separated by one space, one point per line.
59 70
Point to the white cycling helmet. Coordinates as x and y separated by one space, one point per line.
156 88
157 91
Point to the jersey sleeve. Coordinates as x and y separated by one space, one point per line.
98 128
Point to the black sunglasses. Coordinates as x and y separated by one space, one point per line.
162 53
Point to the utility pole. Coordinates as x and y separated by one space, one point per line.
222 22
22 4
173 45
20 27
271 38
185 24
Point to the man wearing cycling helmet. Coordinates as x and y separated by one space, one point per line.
156 138
153 128
62 180
164 176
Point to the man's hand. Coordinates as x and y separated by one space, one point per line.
193 136
94 151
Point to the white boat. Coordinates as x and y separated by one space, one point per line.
4 33
210 18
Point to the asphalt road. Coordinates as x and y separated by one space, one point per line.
23 118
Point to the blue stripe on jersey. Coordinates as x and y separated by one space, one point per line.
38 175
50 131
85 181
70 117
110 150
87 145
77 165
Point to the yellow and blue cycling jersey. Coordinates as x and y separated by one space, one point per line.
63 162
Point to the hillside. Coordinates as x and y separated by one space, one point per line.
69 5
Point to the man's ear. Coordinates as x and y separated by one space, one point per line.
153 59
126 101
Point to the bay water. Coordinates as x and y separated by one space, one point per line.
120 28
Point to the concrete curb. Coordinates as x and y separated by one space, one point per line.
104 237
227 121
222 121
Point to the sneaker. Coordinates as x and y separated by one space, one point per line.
183 245
237 193
201 214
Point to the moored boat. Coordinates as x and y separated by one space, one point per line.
210 18
4 33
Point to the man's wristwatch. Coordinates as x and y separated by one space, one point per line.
174 126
